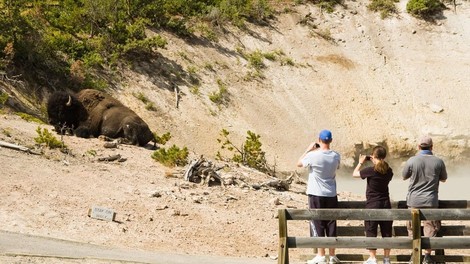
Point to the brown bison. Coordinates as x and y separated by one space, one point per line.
92 113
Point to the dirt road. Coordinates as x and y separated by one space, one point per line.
22 248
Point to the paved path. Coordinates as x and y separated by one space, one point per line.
15 244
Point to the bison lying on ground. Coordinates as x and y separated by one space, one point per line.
92 113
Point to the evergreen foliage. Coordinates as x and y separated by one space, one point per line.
249 154
424 8
46 137
385 7
174 156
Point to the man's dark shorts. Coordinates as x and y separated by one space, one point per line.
321 228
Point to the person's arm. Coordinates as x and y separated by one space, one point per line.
357 169
311 147
443 176
406 174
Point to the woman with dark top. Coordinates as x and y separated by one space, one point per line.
377 195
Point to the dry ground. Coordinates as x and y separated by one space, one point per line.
371 81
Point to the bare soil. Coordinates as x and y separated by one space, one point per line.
370 81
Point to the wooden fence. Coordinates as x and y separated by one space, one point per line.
449 237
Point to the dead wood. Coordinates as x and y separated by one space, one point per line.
17 147
203 172
112 158
278 184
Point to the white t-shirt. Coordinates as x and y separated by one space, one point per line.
322 166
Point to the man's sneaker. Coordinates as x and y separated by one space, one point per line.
387 261
334 259
427 260
370 261
317 260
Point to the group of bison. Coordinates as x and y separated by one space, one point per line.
92 113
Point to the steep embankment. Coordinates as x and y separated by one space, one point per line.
368 80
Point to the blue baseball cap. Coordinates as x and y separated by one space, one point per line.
325 135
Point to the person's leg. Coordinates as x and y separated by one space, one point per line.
317 228
371 231
386 228
331 226
430 229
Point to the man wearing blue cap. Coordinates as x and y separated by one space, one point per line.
322 163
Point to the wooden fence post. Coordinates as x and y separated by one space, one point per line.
416 226
283 247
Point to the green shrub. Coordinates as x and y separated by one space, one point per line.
142 97
45 137
174 156
385 7
221 96
424 8
328 5
3 98
255 60
249 154
163 139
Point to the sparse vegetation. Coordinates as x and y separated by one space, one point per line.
424 8
30 118
249 154
6 132
45 137
195 90
163 139
3 98
91 152
327 5
385 7
221 97
255 60
148 104
174 156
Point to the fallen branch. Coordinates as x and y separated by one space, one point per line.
203 172
112 158
279 184
17 147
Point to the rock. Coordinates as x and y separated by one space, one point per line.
275 201
436 108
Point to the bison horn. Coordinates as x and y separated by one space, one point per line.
69 103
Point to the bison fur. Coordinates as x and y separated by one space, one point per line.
91 113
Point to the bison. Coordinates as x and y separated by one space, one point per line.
91 113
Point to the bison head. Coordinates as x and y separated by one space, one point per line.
65 112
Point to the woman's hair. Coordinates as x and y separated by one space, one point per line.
380 153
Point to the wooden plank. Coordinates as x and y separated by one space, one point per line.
463 204
350 242
359 258
283 245
458 242
348 214
416 225
444 214
446 230
376 214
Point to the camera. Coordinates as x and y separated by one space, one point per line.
368 157
317 145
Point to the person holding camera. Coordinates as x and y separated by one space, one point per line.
377 196
425 171
322 163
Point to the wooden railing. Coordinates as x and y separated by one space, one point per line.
449 237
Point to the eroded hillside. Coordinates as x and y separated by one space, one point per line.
369 80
